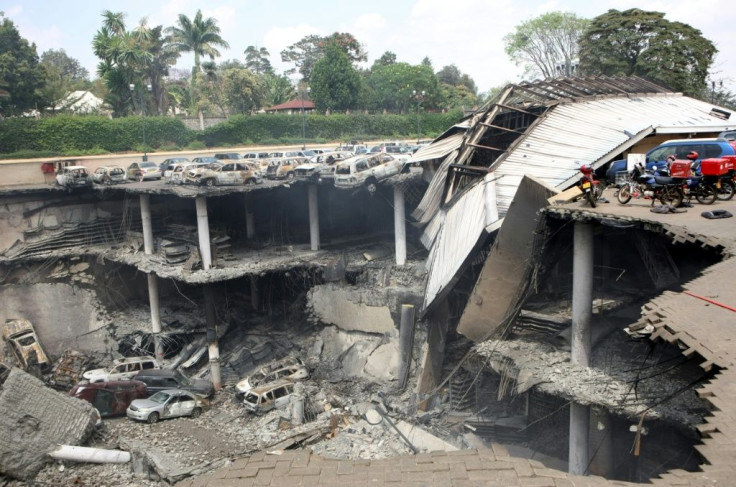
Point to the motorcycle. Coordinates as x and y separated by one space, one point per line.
589 185
642 184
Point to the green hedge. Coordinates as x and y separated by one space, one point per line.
91 134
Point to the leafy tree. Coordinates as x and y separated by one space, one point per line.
642 43
278 89
123 60
68 67
386 58
547 45
257 60
310 49
200 36
457 96
244 90
21 75
451 75
334 81
392 87
162 57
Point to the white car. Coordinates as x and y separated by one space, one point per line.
270 396
367 170
321 168
122 369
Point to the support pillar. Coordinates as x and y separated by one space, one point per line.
601 437
153 299
213 348
400 225
582 311
313 217
250 227
203 231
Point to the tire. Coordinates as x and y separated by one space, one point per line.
371 186
671 196
706 194
591 198
209 183
152 418
727 190
624 194
140 178
196 412
290 175
251 181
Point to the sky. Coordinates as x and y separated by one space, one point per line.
467 33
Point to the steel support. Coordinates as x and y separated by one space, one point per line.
203 231
313 217
582 311
400 225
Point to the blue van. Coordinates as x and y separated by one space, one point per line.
657 157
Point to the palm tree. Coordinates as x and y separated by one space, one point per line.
199 36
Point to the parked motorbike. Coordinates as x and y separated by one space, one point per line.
643 184
589 185
704 188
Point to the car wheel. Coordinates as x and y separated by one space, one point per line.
371 186
152 418
209 183
290 175
140 178
196 412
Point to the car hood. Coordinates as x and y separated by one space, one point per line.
145 404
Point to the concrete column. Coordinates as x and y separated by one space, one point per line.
400 225
601 438
147 225
203 230
313 217
582 311
213 348
250 227
153 299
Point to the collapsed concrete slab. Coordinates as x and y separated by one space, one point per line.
497 290
34 420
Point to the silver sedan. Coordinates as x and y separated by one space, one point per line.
170 403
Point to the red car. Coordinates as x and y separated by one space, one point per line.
110 398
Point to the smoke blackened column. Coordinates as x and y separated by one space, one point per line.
145 203
213 348
582 311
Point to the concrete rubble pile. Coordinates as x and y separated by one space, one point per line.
34 420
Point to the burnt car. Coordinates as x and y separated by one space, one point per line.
290 368
275 395
73 177
22 340
109 175
122 369
222 174
68 370
110 398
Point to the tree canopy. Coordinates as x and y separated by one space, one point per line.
335 83
642 43
310 49
546 45
256 59
21 74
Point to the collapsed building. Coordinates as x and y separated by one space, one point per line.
219 280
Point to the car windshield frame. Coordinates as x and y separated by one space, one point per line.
160 397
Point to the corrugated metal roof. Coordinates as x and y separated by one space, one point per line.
462 226
439 149
584 131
